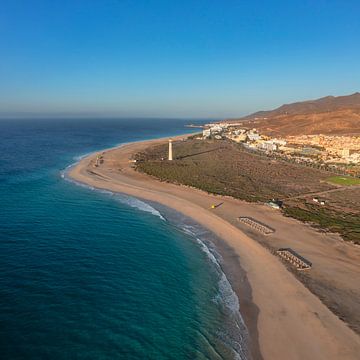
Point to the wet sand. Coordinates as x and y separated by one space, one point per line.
285 319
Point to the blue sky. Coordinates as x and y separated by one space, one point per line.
200 58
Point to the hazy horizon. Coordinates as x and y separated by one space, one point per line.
56 116
158 59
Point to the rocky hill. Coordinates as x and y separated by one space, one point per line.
328 115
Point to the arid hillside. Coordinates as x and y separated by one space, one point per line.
340 122
329 115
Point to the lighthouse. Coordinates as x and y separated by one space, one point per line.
170 150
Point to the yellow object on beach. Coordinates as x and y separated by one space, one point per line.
213 206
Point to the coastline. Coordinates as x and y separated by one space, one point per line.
230 266
291 322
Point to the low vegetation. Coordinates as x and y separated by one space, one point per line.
346 224
226 168
343 180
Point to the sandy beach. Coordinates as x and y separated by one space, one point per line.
284 318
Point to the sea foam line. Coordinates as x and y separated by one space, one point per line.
122 198
227 294
139 204
228 298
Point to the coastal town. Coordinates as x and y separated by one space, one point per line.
339 154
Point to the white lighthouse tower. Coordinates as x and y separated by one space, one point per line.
170 150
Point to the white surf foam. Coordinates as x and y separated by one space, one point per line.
139 204
124 199
226 297
78 158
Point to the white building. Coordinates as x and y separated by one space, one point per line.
206 133
268 146
217 128
253 137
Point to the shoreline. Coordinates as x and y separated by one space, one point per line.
287 313
230 266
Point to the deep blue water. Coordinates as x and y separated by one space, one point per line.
87 274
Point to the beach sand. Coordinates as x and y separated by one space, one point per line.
285 320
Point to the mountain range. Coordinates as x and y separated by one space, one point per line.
332 115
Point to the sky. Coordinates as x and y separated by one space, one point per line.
168 58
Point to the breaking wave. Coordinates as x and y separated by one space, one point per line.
235 336
138 204
122 198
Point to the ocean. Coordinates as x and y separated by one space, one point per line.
89 274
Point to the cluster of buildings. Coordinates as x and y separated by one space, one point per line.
341 151
331 149
230 131
251 138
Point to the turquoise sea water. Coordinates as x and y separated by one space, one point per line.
87 274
